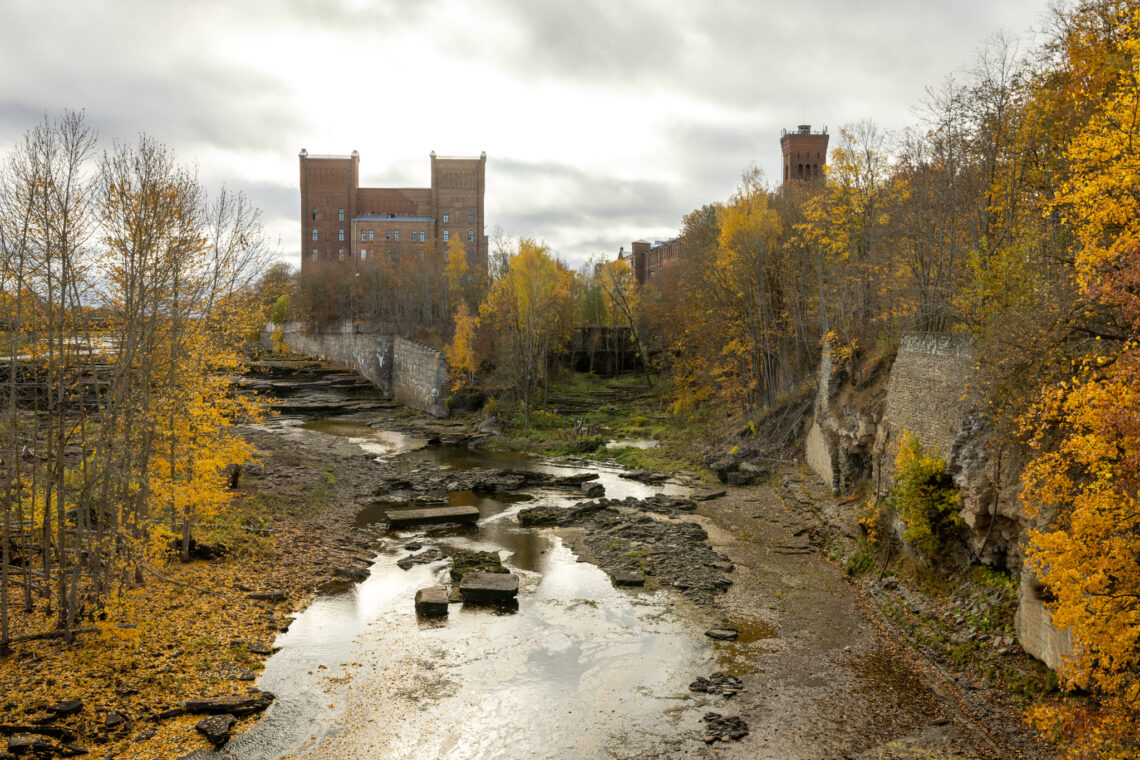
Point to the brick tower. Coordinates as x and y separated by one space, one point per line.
805 153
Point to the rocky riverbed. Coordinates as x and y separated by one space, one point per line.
795 663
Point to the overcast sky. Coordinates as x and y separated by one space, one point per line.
604 121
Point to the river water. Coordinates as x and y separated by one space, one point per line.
579 670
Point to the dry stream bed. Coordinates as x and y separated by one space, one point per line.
583 667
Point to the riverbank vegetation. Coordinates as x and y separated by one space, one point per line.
128 290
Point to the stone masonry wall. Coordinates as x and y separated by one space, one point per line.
419 376
412 373
819 452
928 391
930 395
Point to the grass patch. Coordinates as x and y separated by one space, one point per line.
585 411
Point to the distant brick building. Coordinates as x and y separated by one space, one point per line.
805 153
647 259
341 221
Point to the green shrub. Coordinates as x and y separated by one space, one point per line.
279 313
924 497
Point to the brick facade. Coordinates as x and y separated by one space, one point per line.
341 221
805 153
647 259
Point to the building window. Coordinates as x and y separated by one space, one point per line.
363 254
446 236
396 236
387 234
470 236
340 234
445 217
340 215
314 233
314 254
370 235
314 214
340 254
363 236
471 217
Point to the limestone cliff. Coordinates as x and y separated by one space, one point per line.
927 390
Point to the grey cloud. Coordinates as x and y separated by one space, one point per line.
136 67
586 214
618 42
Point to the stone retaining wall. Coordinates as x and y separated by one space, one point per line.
412 373
928 391
419 376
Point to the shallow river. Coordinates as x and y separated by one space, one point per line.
579 670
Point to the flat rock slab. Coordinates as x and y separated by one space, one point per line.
398 518
25 744
432 601
238 704
489 588
63 709
707 494
216 728
627 578
723 634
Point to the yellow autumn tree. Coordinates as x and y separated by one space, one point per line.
461 359
622 297
1087 429
529 310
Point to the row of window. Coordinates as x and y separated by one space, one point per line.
446 216
470 236
418 236
470 217
393 255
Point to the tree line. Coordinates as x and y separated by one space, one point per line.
126 292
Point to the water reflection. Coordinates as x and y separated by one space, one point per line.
376 441
580 670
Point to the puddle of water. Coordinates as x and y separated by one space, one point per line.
738 656
375 441
579 667
579 670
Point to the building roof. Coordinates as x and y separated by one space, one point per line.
393 218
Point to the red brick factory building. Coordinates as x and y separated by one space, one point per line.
341 221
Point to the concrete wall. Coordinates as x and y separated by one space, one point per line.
412 373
